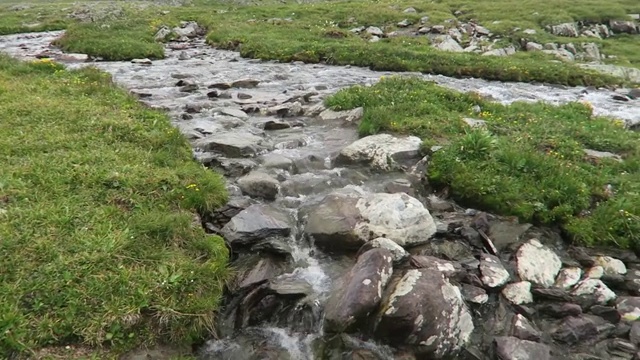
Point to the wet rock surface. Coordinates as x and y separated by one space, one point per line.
333 234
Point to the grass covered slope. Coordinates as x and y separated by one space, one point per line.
529 161
97 196
319 31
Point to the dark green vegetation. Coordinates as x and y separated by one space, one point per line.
319 31
528 162
97 201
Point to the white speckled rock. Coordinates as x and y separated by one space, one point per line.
597 288
381 151
493 273
421 309
518 293
611 266
537 263
568 277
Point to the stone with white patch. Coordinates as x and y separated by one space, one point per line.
595 288
611 266
425 294
359 291
382 152
493 272
522 329
348 218
629 308
537 263
398 252
518 293
568 277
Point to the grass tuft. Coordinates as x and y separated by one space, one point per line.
97 201
528 161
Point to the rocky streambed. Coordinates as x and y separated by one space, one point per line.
339 251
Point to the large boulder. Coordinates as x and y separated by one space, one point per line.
345 220
255 223
359 292
423 310
382 152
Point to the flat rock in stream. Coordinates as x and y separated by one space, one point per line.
381 152
352 116
422 310
359 292
345 220
255 223
233 144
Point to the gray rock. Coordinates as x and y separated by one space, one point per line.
259 269
189 29
233 112
144 61
475 123
501 52
629 308
359 292
561 54
596 288
397 252
518 293
566 29
481 30
568 277
245 83
421 309
424 20
522 329
570 48
409 10
404 23
345 221
351 116
627 73
162 34
374 31
623 26
260 185
447 43
634 333
512 348
289 284
591 52
493 273
533 46
537 263
438 29
382 152
529 31
474 294
577 329
232 144
610 265
255 223
276 161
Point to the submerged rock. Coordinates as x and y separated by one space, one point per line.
257 222
359 292
421 309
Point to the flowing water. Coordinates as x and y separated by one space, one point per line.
294 332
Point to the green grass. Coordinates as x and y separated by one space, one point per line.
318 32
97 198
528 162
